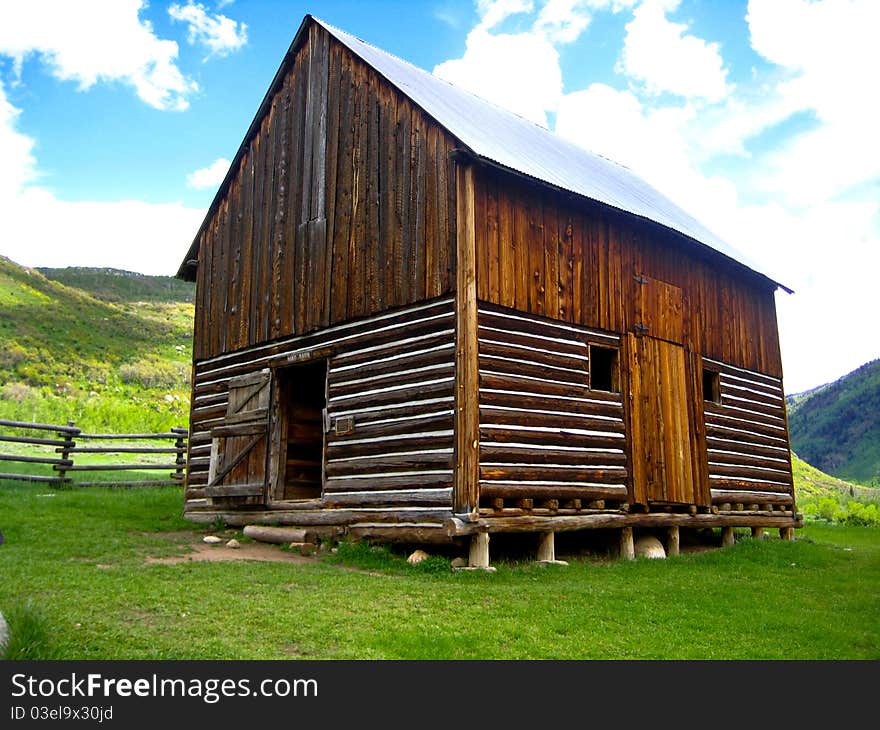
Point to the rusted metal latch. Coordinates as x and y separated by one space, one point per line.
641 328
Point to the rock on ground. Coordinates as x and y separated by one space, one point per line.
416 557
649 547
212 539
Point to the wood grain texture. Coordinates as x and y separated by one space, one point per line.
746 435
467 420
544 434
342 207
660 426
720 311
392 374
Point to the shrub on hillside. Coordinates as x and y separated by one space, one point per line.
152 374
18 392
12 354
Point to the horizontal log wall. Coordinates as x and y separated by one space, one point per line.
393 375
550 254
544 434
747 439
342 206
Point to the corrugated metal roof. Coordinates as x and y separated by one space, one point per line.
518 144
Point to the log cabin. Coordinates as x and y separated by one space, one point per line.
422 318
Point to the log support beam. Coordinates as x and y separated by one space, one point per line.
727 538
758 533
522 522
786 533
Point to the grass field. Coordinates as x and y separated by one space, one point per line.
76 577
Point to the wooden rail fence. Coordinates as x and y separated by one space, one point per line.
68 441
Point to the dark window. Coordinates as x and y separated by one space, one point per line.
711 386
603 369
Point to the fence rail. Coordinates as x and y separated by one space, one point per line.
68 443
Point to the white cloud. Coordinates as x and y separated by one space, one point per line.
493 12
210 176
563 21
662 55
517 71
521 71
41 230
149 238
16 151
830 52
219 34
96 40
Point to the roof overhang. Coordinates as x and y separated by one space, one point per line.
409 86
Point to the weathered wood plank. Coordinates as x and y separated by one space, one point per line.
467 423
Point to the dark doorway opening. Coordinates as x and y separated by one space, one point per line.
302 393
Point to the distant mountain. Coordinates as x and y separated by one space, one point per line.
836 427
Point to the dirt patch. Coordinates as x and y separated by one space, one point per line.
202 552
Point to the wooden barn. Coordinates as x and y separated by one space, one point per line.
422 318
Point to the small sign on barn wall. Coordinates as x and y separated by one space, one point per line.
344 425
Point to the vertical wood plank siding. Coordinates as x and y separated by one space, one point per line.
544 434
747 439
393 374
341 207
577 262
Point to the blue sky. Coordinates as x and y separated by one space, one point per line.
759 117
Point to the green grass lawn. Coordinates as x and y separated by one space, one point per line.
75 562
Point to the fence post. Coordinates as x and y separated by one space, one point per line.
69 443
180 445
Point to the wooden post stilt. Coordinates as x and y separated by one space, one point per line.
627 549
727 536
672 541
546 547
479 553
786 533
758 533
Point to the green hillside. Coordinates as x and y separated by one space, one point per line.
819 495
116 357
837 427
115 285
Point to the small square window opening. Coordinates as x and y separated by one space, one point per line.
711 386
604 374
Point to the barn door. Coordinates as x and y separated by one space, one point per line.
661 440
662 447
237 471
